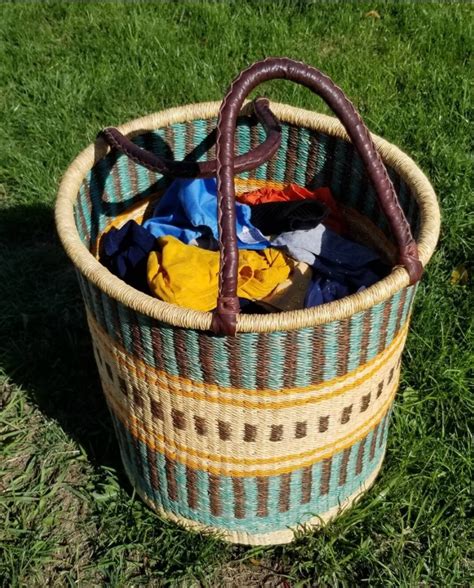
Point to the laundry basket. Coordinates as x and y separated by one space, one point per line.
251 426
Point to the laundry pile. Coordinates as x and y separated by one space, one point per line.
293 249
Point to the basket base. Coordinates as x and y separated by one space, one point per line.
275 537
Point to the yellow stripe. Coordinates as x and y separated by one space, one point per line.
136 429
152 375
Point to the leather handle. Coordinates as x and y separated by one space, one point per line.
206 169
225 315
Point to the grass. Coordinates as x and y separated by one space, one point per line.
68 69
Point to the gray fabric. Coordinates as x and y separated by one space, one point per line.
302 245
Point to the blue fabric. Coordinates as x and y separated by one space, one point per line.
188 211
322 290
125 252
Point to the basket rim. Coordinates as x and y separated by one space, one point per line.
179 316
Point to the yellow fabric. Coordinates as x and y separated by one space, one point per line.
290 294
188 276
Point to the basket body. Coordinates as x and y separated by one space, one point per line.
251 436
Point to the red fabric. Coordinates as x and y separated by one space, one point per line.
292 192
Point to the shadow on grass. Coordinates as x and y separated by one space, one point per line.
44 341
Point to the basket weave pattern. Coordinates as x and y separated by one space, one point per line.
256 434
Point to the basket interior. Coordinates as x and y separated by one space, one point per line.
305 157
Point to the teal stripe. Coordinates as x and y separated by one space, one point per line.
109 322
302 156
304 357
200 133
227 497
180 474
167 337
411 291
85 209
337 170
273 497
392 322
161 469
277 360
355 341
280 167
124 177
243 142
179 130
192 349
251 497
221 361
204 505
145 335
374 335
248 359
322 155
331 348
125 328
261 171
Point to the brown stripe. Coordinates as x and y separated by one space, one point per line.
181 352
276 433
364 403
271 167
364 186
122 386
254 142
364 343
347 176
239 498
312 159
343 468
346 414
325 476
262 497
200 425
401 305
306 485
137 397
214 495
235 364
179 420
323 424
284 503
360 456
373 443
291 351
117 184
112 305
171 479
206 358
379 389
384 326
344 346
136 335
137 455
191 487
224 430
317 347
156 409
132 174
109 371
82 220
148 144
390 375
264 360
300 430
157 346
291 154
250 432
154 480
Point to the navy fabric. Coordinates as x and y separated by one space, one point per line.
125 251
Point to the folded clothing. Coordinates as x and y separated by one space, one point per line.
188 211
188 276
273 218
124 252
293 192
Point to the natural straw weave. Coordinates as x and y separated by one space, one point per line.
284 424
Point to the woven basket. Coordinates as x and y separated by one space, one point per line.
282 423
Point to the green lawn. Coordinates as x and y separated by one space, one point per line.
68 69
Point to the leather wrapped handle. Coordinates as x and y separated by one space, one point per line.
225 315
206 169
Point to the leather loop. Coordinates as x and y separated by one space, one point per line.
276 68
205 169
